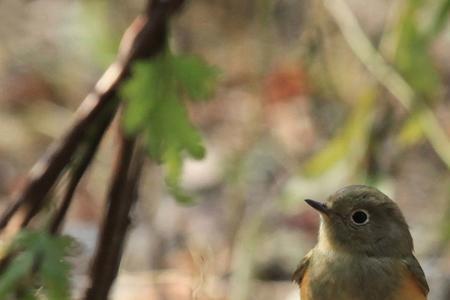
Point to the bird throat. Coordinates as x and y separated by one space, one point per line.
325 243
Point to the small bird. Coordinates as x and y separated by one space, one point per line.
364 251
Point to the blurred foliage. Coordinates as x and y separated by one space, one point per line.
37 267
414 61
413 39
156 109
352 137
412 56
105 28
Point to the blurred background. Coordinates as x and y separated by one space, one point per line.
313 95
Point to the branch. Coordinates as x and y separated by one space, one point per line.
143 39
121 196
77 172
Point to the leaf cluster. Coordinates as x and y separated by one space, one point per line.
37 267
155 108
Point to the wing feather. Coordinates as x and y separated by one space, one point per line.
417 272
301 268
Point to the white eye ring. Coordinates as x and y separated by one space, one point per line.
360 217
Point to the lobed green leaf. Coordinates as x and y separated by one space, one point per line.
195 77
41 256
19 268
154 107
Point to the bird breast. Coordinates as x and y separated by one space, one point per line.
340 276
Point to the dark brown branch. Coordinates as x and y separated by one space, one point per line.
144 38
121 196
77 172
46 171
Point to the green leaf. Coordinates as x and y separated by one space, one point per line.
179 194
169 135
19 268
196 77
55 271
150 83
169 129
41 256
154 106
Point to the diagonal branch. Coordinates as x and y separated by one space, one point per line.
143 39
77 171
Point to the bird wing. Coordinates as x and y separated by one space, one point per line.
417 272
301 268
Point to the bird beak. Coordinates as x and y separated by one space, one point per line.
319 206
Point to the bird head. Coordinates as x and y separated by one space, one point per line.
363 221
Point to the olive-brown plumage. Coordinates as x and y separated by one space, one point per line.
364 252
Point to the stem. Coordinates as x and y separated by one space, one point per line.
77 172
121 197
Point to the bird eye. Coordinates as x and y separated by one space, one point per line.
360 217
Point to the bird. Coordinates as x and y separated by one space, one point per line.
364 251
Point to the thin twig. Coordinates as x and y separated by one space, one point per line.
46 171
388 76
77 172
121 197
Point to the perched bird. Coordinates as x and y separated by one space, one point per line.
364 251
